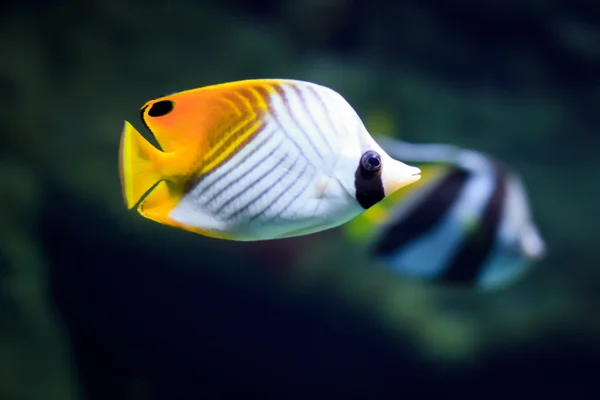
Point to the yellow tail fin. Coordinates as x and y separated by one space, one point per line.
138 165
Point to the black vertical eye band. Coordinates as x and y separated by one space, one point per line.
367 180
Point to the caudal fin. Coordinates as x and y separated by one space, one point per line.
138 161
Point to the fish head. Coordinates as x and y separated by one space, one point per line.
370 174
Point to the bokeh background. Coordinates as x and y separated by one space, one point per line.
99 303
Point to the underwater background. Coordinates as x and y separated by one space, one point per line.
99 303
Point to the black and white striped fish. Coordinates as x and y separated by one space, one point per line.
468 224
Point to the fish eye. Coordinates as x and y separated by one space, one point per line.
160 108
367 180
371 161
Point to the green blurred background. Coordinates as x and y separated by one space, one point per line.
99 303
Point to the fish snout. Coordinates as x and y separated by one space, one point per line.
395 175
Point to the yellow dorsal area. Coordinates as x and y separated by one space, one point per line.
363 227
206 126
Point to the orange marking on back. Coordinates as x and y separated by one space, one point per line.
208 125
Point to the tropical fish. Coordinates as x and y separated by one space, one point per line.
255 160
467 222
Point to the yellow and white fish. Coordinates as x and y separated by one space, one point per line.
255 160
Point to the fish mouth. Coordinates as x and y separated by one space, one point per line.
399 175
415 177
410 180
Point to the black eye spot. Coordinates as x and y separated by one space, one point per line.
367 180
374 162
160 108
371 161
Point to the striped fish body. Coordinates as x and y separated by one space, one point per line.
469 226
253 160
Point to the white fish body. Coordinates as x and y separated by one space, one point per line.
284 165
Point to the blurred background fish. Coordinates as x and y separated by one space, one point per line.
469 222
